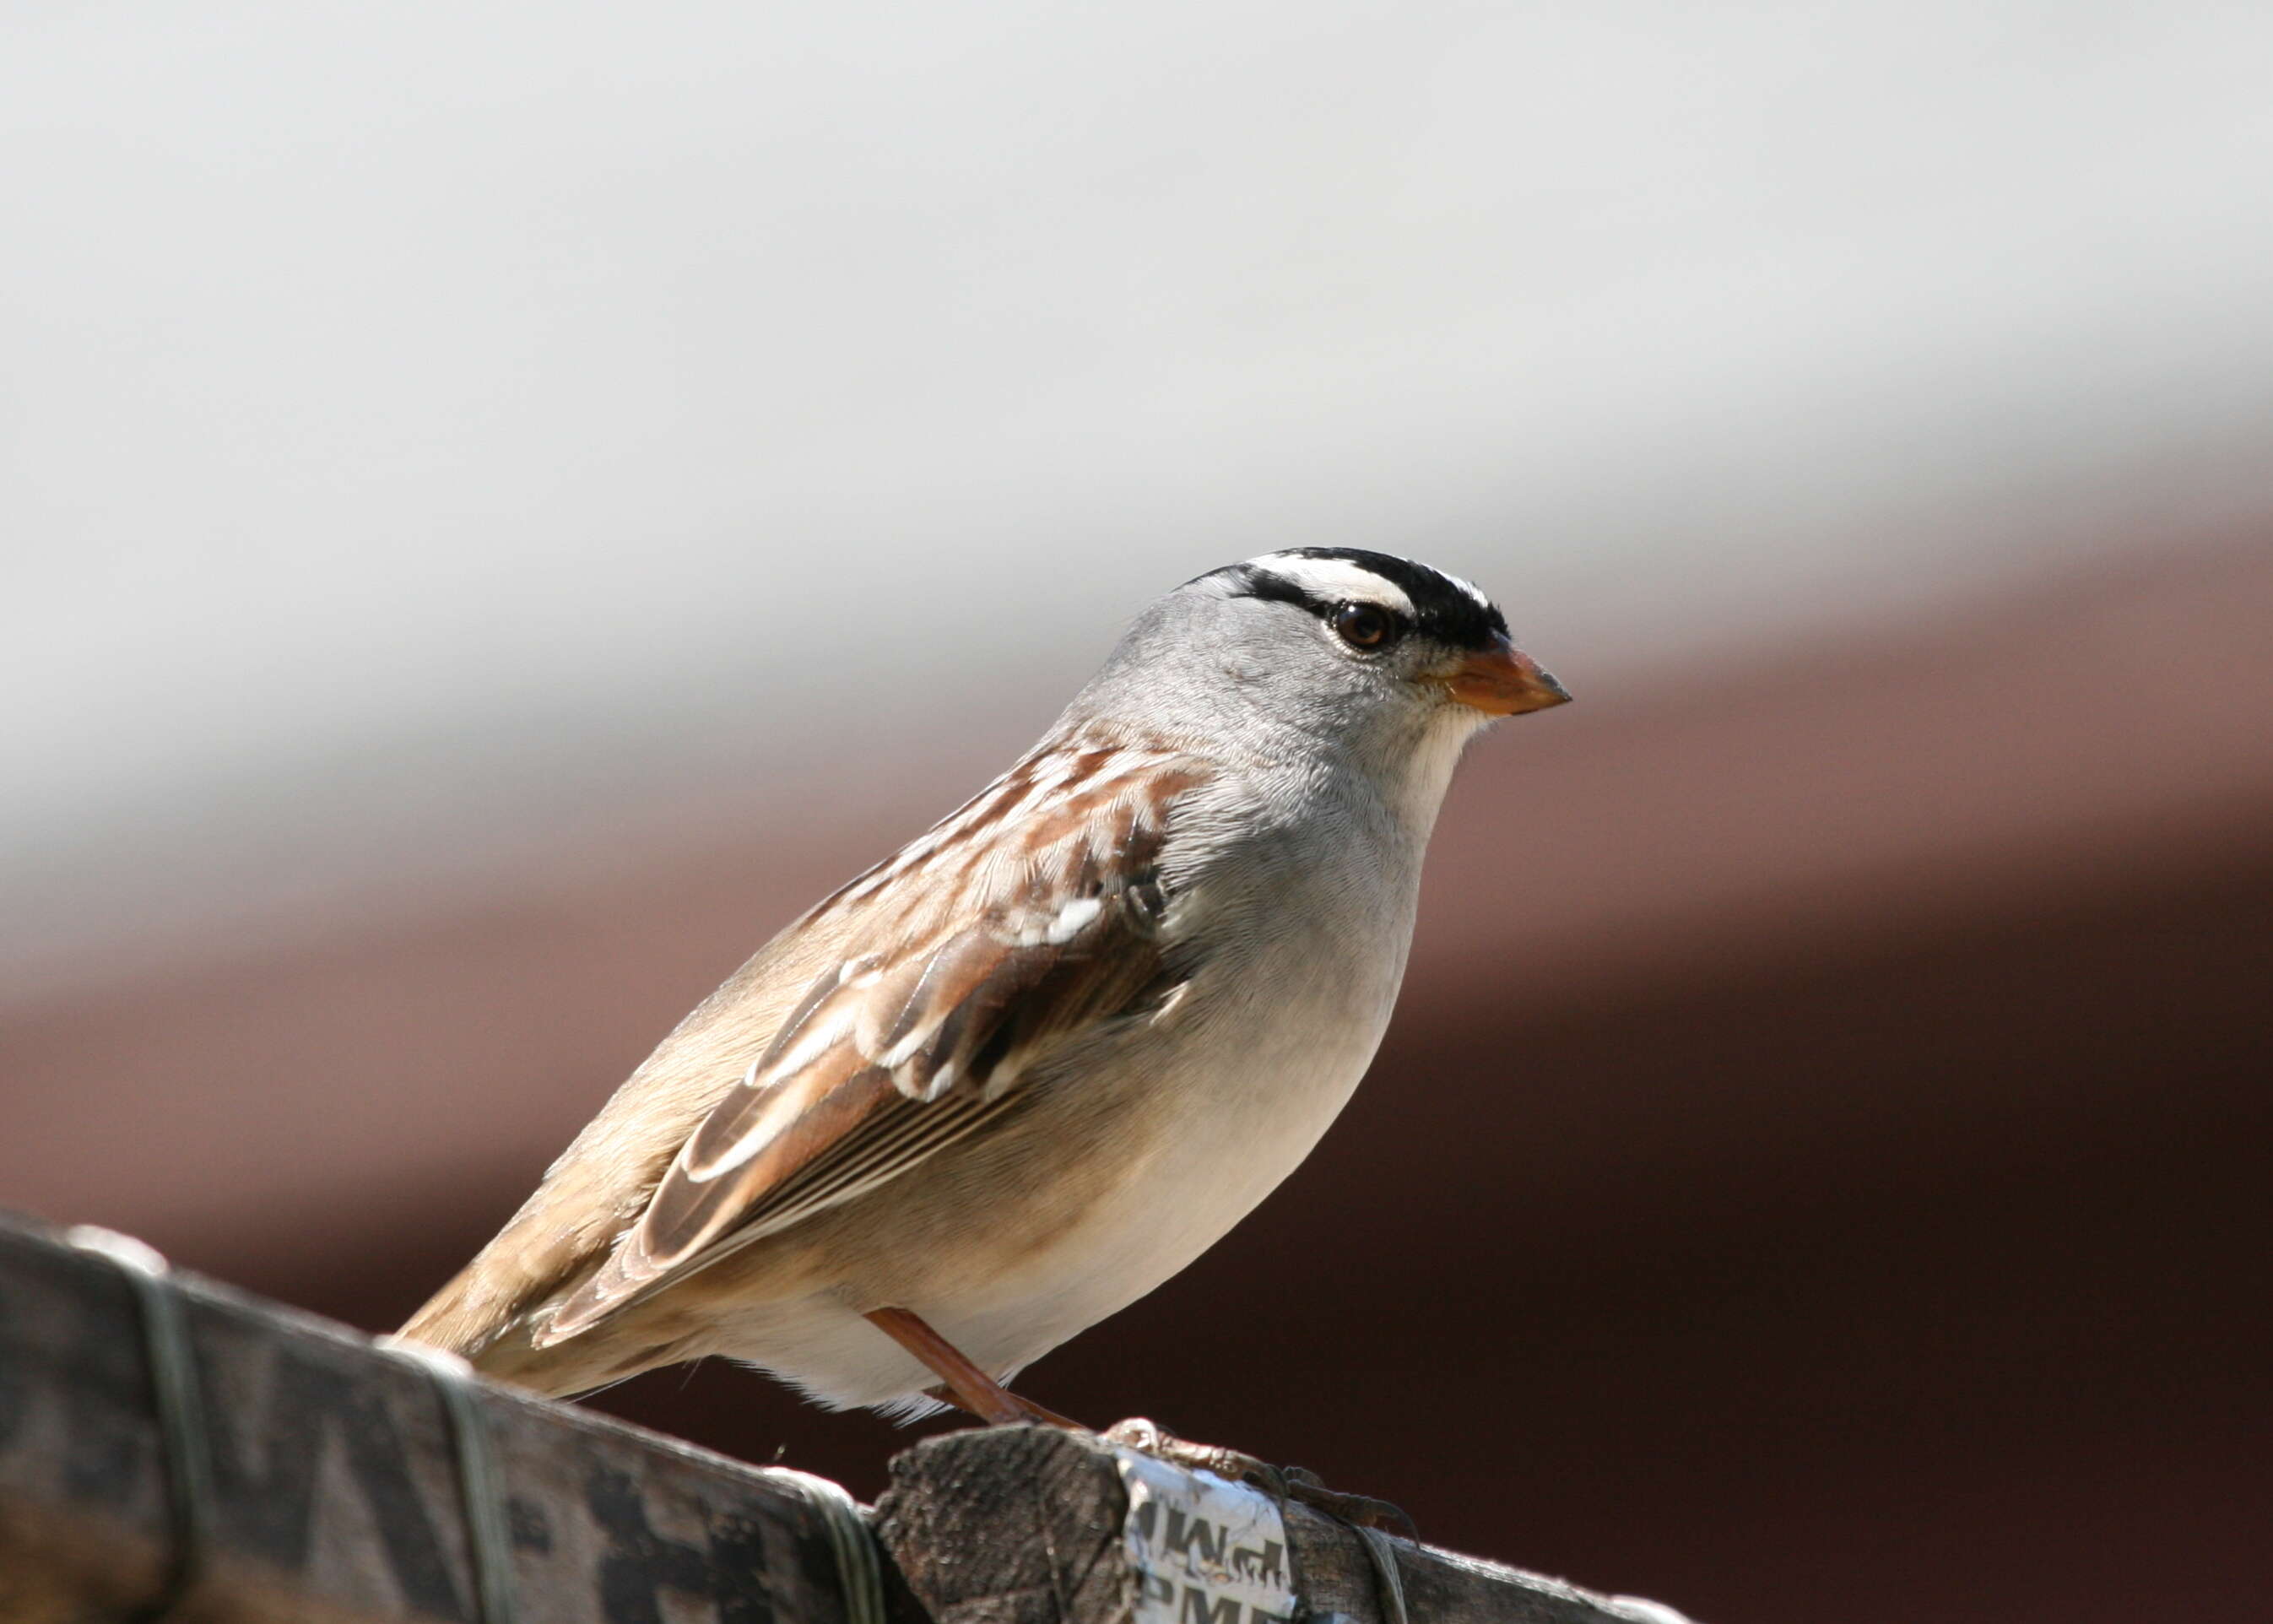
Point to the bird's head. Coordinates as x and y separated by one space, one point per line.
1374 629
1390 662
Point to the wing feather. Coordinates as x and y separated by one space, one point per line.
962 963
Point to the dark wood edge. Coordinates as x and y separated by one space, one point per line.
335 1490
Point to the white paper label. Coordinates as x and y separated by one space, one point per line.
1204 1550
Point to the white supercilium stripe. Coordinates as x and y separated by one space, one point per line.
1336 578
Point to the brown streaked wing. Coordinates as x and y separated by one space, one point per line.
920 1034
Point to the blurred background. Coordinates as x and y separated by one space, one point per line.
503 507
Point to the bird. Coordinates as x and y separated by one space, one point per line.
1017 1075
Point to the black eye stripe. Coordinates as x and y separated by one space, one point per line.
1253 582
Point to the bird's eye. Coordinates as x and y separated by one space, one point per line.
1361 626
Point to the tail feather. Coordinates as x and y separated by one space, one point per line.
488 1314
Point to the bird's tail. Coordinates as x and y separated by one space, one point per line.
488 1317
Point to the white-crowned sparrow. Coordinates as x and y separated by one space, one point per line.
1010 1079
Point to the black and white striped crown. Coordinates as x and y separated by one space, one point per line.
1321 579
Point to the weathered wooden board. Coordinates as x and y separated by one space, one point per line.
336 1498
1027 1525
336 1489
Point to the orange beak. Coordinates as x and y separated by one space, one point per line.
1502 682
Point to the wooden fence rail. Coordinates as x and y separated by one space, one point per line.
169 1447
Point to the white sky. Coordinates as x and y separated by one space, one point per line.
418 423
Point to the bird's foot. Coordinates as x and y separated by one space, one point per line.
1283 1482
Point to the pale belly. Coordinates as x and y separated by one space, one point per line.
1210 1168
